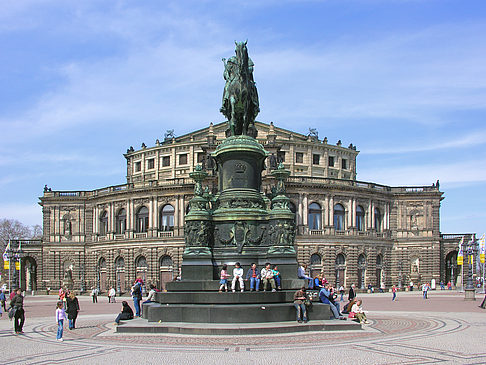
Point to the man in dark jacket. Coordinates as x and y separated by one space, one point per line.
253 274
352 293
17 304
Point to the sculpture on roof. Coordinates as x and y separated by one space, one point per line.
240 97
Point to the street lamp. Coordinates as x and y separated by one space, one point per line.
470 291
14 255
400 274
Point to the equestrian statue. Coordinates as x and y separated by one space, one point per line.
240 97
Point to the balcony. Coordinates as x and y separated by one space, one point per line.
165 234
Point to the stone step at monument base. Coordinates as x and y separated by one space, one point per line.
230 313
235 329
216 297
213 285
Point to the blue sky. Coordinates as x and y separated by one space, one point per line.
405 81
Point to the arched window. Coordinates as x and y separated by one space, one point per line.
379 260
340 259
378 220
102 263
314 216
103 223
141 263
339 217
315 264
166 219
360 218
120 263
121 221
166 261
142 219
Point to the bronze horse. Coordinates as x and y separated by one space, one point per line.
240 97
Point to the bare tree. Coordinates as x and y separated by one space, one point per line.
36 231
11 229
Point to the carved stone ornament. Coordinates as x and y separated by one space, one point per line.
141 201
68 208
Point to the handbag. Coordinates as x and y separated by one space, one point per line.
308 303
11 312
351 315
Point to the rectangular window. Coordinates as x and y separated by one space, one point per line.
280 156
299 157
138 166
331 161
315 159
200 157
344 164
150 164
183 159
165 161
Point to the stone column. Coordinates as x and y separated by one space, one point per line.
354 213
326 211
331 213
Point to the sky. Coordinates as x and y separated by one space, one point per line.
403 80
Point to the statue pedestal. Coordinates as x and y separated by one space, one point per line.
470 294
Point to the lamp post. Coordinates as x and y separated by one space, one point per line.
470 291
14 255
400 284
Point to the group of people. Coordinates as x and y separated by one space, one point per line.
269 277
328 295
70 304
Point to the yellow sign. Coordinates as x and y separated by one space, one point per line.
481 258
6 265
460 260
17 265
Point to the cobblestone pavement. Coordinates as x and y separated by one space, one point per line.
443 329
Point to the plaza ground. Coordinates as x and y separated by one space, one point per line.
444 329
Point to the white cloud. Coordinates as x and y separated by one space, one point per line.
465 141
425 174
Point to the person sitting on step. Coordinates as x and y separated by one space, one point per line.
267 277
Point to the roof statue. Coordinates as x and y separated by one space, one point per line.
240 97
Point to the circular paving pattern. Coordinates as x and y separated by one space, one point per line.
100 333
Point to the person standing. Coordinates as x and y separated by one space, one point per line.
137 297
60 317
394 292
94 295
223 279
72 309
17 305
237 275
352 293
425 289
341 291
3 300
111 295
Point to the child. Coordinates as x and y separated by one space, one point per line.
277 277
224 278
60 317
237 275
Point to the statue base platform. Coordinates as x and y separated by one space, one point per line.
234 329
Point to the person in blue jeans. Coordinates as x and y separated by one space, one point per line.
301 275
325 296
60 317
299 304
137 297
253 274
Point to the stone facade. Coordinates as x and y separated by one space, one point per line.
351 231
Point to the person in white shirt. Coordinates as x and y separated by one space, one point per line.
267 277
358 311
237 275
111 295
151 294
